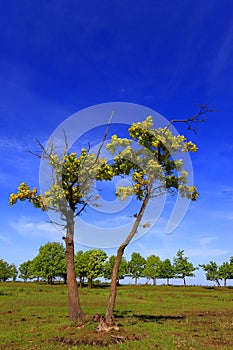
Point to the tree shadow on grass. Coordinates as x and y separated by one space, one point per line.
159 318
147 318
2 293
122 314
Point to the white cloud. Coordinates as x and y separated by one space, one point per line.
27 226
205 253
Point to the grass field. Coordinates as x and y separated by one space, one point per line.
34 316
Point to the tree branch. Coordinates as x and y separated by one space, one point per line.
203 109
104 137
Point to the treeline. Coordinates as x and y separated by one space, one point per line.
49 265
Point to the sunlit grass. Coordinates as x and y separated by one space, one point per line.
34 316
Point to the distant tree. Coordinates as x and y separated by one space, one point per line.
231 266
167 270
211 272
136 266
81 262
225 272
4 273
183 268
13 272
152 268
7 271
25 270
108 267
50 262
95 264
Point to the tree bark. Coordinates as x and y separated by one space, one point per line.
75 311
184 281
108 321
90 283
218 284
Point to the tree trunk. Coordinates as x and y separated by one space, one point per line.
75 311
108 322
184 282
89 283
167 281
64 276
218 284
225 282
154 281
136 280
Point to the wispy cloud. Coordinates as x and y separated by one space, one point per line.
27 226
4 239
207 248
224 53
206 254
6 144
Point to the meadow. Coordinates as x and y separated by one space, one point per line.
35 316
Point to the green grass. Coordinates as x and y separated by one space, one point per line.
34 316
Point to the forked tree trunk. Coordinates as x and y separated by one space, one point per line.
75 311
218 283
108 322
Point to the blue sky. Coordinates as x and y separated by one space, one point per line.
58 57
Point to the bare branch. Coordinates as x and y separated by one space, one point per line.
56 223
66 144
203 109
80 211
104 137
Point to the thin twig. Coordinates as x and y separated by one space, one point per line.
104 137
195 118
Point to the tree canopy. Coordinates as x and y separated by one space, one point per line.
183 268
7 271
50 262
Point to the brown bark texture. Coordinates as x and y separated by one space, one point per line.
108 321
75 311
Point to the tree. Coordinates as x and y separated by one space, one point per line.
13 272
225 272
95 265
136 266
25 270
154 171
70 192
152 268
108 267
81 261
167 270
183 268
7 271
211 272
50 262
